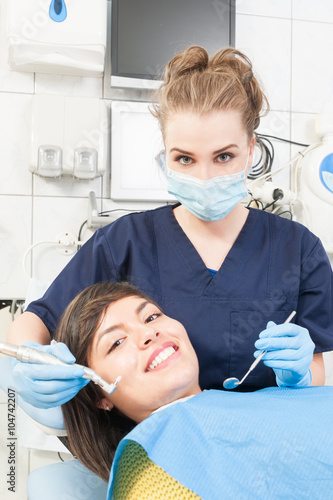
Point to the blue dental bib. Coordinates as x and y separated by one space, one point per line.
271 444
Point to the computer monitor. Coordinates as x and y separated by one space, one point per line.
145 34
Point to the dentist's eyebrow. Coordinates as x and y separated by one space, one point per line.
181 151
225 148
119 326
188 153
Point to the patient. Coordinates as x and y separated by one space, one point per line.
273 443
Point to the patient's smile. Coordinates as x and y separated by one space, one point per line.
162 355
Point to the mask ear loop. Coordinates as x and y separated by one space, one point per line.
160 159
247 159
248 154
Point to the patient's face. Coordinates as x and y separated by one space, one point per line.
150 351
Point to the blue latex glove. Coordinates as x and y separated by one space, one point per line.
290 353
46 386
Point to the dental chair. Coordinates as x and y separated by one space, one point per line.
63 480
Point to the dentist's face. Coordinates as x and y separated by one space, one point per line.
207 145
150 351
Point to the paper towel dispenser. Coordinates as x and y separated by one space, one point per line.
65 37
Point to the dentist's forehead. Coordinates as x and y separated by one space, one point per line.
226 124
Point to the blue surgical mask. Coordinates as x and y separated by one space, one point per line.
208 200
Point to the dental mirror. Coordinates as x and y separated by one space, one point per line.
232 382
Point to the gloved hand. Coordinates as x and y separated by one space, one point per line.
46 386
290 353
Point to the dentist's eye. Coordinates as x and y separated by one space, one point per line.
152 317
224 157
184 160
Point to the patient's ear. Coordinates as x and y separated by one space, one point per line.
104 404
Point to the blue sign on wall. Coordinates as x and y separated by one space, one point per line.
326 172
58 11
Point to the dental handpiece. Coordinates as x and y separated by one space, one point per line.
28 354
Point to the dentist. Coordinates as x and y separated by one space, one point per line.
223 270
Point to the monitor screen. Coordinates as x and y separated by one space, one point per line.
145 34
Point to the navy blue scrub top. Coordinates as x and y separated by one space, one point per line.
274 267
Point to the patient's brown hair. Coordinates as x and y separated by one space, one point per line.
93 433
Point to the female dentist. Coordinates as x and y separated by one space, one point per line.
221 269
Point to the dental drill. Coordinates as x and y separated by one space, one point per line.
28 354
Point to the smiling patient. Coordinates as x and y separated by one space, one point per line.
181 442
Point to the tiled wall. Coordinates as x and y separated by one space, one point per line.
290 43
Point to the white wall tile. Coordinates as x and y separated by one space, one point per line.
53 217
308 10
312 57
66 186
11 81
273 8
303 130
277 123
68 85
15 238
267 42
15 143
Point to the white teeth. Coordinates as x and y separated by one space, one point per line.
162 356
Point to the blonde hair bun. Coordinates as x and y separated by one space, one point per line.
197 82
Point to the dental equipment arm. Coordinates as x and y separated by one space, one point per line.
55 381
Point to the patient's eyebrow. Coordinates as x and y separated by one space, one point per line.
110 329
142 306
119 326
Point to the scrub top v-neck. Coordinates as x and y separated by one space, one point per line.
274 267
198 272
